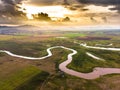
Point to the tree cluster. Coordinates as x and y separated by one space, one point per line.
66 19
42 16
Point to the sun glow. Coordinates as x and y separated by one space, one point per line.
52 11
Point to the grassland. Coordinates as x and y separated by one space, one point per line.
84 63
13 80
73 35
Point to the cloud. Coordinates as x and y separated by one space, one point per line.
43 2
9 7
11 2
52 2
116 3
100 2
79 7
117 7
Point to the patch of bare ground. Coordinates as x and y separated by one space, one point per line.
110 82
93 38
10 65
37 38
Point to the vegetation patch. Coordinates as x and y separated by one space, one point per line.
19 77
74 35
83 63
35 82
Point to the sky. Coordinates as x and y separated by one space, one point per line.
82 11
79 3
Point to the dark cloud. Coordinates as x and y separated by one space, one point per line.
77 7
100 2
19 1
116 3
65 2
11 2
9 7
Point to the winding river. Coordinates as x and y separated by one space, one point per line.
94 57
101 48
96 73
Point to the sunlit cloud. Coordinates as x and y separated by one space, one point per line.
53 11
99 9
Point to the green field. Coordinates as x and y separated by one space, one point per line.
73 35
14 80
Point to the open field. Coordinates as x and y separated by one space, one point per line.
13 77
21 74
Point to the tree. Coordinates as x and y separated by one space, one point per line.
42 16
66 19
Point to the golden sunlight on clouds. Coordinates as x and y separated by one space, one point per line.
94 14
99 9
53 11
